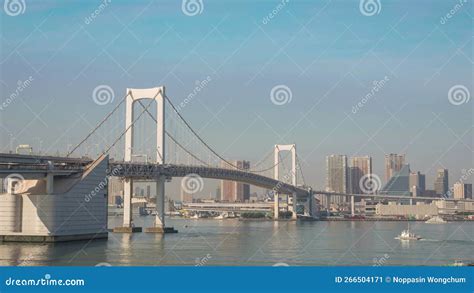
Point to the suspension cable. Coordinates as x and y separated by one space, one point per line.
274 165
208 147
200 160
301 170
200 139
123 133
172 138
98 126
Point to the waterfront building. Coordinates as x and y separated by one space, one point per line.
417 184
419 211
218 193
359 167
232 191
336 170
114 190
441 182
451 207
462 191
186 196
393 164
399 183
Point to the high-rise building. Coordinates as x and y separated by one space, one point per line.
417 184
462 191
218 193
399 183
337 179
115 190
186 196
441 184
393 164
232 191
359 167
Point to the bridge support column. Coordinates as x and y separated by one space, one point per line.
294 203
328 203
352 206
127 203
276 205
160 203
128 226
159 226
49 183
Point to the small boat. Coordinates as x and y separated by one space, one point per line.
221 216
436 220
407 235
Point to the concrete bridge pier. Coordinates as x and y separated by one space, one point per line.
352 206
276 205
294 203
128 226
159 226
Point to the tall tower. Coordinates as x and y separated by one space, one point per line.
393 164
279 148
336 170
359 167
232 191
134 95
441 184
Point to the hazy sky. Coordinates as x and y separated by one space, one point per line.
328 53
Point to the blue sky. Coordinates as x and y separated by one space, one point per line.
327 52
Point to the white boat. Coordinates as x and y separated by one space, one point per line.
221 216
407 235
436 220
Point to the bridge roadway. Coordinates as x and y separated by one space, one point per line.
150 171
31 166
